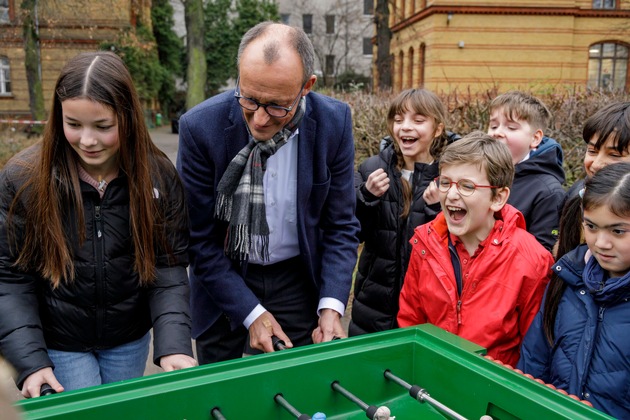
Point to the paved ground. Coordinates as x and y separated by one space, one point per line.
167 142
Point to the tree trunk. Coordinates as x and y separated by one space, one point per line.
32 60
383 38
196 71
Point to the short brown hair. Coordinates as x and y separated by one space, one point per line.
517 105
479 148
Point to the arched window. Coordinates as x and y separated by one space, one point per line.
608 66
5 76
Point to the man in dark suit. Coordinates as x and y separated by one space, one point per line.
268 169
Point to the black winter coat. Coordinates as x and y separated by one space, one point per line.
385 236
105 306
537 191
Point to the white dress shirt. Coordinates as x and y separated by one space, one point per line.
280 189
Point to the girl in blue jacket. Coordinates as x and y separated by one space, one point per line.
579 341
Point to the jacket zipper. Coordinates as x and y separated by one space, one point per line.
591 349
457 269
99 272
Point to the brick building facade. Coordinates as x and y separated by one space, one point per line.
537 45
66 28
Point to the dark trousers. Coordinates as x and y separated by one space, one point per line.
283 289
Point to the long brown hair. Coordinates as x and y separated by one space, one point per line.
52 182
423 102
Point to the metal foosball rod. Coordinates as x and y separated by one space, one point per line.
371 411
216 414
285 404
422 395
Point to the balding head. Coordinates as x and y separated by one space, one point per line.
271 37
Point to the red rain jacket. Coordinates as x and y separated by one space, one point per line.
502 286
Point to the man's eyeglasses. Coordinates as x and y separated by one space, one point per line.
276 111
464 186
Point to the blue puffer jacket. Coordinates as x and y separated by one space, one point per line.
591 353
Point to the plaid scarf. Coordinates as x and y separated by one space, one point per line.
240 194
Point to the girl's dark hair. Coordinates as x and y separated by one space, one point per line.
570 237
423 102
609 187
611 121
53 181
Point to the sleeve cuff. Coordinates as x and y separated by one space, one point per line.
331 303
253 315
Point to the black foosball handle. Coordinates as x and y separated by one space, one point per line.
46 390
277 343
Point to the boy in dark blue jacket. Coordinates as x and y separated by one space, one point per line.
518 120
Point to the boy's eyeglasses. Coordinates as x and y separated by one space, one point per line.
464 186
276 111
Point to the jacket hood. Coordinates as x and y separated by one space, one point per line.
547 144
546 159
388 154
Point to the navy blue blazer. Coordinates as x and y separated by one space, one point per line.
210 135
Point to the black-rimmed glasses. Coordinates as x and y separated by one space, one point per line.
464 186
276 111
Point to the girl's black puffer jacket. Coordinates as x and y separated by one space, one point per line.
105 305
385 236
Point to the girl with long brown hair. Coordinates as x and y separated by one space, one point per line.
93 240
394 195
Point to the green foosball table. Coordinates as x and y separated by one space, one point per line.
415 373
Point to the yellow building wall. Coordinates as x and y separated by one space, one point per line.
481 48
67 28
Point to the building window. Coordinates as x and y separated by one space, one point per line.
284 18
367 46
368 7
330 64
330 24
5 76
4 11
608 66
604 4
307 23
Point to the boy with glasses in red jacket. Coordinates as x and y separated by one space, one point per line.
474 270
